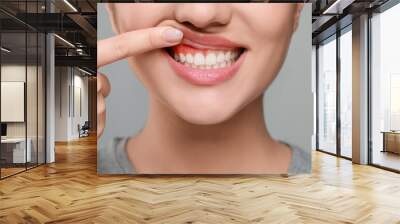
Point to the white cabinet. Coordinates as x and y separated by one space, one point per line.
18 149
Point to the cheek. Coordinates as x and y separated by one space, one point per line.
267 22
271 56
271 29
148 68
154 72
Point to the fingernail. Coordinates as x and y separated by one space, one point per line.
172 35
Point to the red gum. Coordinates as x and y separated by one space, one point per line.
184 49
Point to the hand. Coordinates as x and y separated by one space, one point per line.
123 46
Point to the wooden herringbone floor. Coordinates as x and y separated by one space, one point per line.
69 191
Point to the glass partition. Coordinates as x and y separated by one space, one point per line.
346 93
327 96
14 153
22 90
385 89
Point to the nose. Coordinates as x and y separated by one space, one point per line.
203 15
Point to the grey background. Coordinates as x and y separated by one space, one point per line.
288 102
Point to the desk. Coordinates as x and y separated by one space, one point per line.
391 141
15 148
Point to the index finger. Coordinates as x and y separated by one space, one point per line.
136 42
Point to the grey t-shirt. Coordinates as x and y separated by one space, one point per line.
113 159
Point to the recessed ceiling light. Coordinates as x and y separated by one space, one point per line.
70 5
64 40
337 7
84 71
5 49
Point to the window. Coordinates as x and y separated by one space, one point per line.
334 138
385 89
327 96
346 93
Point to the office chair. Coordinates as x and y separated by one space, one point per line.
84 130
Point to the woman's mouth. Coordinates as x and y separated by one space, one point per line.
205 60
205 66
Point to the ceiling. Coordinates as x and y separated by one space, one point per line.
74 21
332 15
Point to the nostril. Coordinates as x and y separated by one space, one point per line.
190 26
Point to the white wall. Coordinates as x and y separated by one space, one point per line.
68 81
61 103
82 83
33 126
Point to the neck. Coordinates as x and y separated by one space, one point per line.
239 143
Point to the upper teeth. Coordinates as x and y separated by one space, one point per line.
210 59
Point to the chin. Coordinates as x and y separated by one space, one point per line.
205 117
205 112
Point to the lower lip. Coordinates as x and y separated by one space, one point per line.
205 77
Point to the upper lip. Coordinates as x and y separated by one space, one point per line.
206 41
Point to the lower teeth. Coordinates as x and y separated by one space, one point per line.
222 65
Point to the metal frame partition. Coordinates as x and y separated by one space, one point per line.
337 34
340 30
382 8
36 63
